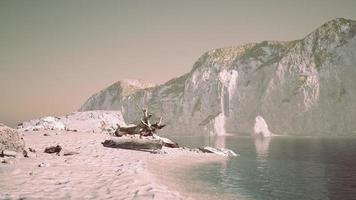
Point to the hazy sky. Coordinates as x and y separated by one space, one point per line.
55 54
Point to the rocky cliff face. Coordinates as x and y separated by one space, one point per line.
302 87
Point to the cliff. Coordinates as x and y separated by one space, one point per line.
301 87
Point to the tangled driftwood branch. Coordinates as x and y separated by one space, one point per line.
145 128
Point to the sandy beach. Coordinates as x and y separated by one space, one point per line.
97 172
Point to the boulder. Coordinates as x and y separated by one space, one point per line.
45 123
53 149
10 139
261 128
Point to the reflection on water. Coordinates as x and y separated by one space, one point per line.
262 146
282 167
219 141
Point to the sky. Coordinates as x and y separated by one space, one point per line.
56 54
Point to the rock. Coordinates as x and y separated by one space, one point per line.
90 121
7 160
8 153
10 140
53 149
218 151
301 87
45 123
32 150
133 143
261 128
25 154
43 165
158 152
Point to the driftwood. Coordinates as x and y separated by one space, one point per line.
218 151
167 142
129 130
8 153
144 128
70 153
134 143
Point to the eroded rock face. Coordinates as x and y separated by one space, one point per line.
10 139
302 87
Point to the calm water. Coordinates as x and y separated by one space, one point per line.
281 168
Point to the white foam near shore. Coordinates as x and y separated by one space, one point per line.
96 172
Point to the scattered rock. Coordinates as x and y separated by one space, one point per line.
25 154
45 123
46 134
7 161
32 150
53 149
158 152
43 165
8 153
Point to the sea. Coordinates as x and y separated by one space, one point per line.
285 168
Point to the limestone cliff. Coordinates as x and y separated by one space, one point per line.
301 87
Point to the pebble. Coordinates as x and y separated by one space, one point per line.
43 165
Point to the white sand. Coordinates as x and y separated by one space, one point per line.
96 172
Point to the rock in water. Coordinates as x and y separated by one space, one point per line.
261 128
134 143
10 139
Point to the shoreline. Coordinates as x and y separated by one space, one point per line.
97 172
177 178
